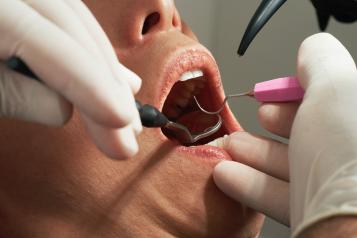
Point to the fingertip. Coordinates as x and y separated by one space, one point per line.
266 116
131 78
134 81
125 147
265 108
117 144
137 125
116 118
318 42
224 174
317 38
127 153
229 178
66 113
119 113
323 57
278 118
219 142
219 171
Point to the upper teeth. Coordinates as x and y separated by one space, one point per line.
191 75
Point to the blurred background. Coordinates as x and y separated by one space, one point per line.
220 26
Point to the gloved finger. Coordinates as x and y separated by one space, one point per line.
70 69
278 118
265 155
62 15
65 17
114 143
97 33
322 59
68 18
17 100
255 189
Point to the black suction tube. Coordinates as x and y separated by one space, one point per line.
265 11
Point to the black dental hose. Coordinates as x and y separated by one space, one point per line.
342 10
265 11
149 115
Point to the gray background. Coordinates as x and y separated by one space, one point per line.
220 26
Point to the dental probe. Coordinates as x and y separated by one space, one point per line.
150 116
285 89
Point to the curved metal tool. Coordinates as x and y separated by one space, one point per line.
183 135
153 118
279 90
250 94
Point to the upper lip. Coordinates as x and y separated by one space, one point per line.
188 59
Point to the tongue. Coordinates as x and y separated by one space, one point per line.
197 121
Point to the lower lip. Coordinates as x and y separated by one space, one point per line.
206 152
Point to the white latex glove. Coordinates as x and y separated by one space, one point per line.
322 149
323 146
64 45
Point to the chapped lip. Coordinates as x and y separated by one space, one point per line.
197 58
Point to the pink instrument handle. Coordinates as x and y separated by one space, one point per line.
279 90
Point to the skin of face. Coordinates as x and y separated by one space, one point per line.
55 183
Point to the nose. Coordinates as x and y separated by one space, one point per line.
144 19
160 16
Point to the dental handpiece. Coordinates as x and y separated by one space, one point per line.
286 89
150 116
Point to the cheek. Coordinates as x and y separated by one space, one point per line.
32 140
61 166
188 31
34 152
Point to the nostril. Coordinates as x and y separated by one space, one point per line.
150 21
176 22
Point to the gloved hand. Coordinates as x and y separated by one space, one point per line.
322 150
64 45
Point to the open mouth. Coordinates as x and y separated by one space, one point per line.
179 106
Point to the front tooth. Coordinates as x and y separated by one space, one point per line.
219 142
191 75
197 73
